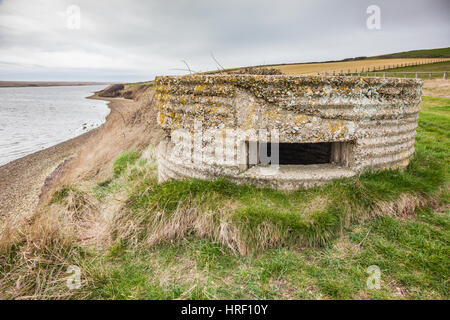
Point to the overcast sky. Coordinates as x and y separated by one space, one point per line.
118 40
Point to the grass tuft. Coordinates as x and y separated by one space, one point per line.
126 159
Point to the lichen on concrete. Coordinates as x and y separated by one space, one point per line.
376 118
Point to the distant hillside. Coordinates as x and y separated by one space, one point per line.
426 59
382 62
428 53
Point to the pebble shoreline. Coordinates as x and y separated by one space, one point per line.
21 180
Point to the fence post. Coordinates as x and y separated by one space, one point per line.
384 74
416 75
431 75
404 75
445 75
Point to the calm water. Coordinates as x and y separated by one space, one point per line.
35 118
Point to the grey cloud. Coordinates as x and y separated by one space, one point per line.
136 40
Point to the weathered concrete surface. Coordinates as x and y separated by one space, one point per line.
373 119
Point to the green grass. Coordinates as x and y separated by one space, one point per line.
427 53
437 70
287 213
60 195
147 83
105 188
321 248
431 67
412 252
126 159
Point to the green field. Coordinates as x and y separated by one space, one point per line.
437 70
167 241
426 53
432 67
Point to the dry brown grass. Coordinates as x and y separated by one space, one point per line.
345 66
131 125
36 253
404 206
437 88
45 245
155 227
37 248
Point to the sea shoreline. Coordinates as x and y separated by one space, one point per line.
21 179
25 84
